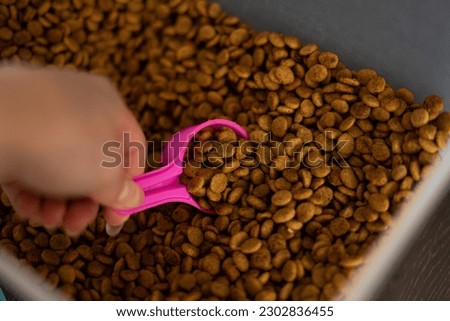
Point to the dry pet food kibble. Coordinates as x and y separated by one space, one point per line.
332 154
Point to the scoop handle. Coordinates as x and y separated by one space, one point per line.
164 176
157 183
162 186
160 196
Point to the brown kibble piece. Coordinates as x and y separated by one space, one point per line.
328 59
405 94
223 209
256 202
185 52
346 144
284 215
339 226
129 275
41 240
419 117
122 249
50 257
85 252
351 262
187 281
131 260
276 39
72 44
146 278
238 36
266 295
6 34
206 33
219 289
379 202
317 73
195 184
235 195
67 273
19 233
211 264
35 28
241 261
381 151
279 126
443 122
365 75
219 183
370 101
322 196
301 194
428 146
95 269
433 104
189 250
195 236
183 24
226 135
377 177
427 132
22 37
281 198
308 49
284 75
340 105
348 178
289 271
376 85
250 246
391 105
399 172
60 242
212 196
305 212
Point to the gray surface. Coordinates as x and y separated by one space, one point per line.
406 41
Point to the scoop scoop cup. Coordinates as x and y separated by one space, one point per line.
163 185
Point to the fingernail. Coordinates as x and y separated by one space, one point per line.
113 230
131 195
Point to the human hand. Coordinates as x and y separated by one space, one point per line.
57 123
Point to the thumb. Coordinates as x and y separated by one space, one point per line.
122 193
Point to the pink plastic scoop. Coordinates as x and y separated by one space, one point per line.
163 185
